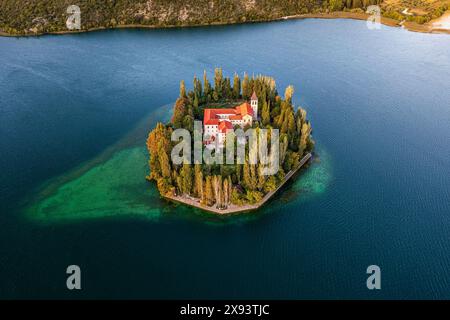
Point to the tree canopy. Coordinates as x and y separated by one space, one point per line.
223 184
43 16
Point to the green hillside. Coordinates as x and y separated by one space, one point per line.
43 16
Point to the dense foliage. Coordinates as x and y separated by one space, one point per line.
222 184
41 16
420 11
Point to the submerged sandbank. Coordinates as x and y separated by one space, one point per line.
113 184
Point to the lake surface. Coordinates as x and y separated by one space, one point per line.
74 112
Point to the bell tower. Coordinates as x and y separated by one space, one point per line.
254 105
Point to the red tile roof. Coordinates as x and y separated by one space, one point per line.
210 116
254 97
244 109
224 126
239 117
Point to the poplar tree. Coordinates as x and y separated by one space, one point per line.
198 181
197 87
158 144
217 187
250 178
261 177
305 133
236 86
186 179
164 163
179 113
245 87
227 91
209 193
300 119
253 177
283 147
230 190
226 190
196 107
182 89
239 172
206 85
265 113
288 93
218 82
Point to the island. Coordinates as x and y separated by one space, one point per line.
248 141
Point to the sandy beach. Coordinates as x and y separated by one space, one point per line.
442 24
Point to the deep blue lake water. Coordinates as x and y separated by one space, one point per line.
379 102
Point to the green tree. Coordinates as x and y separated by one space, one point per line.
179 113
158 138
261 177
182 89
246 176
305 136
206 85
227 91
227 191
265 113
197 88
163 158
236 86
188 123
270 184
218 82
250 176
288 93
186 179
336 5
246 87
217 187
198 181
209 193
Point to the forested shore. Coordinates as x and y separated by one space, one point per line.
50 16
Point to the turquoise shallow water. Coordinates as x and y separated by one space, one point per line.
74 111
112 184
